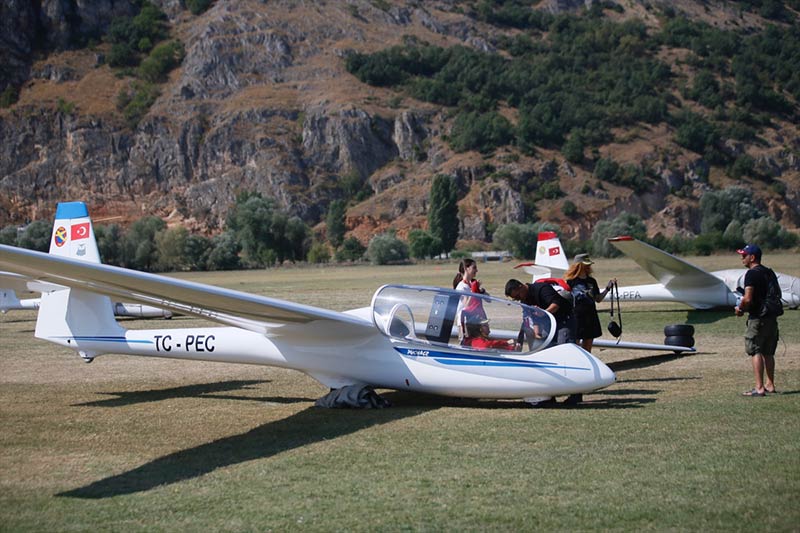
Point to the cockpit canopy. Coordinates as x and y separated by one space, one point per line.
432 315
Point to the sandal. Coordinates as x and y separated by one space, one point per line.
773 391
754 393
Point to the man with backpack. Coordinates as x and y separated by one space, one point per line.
762 300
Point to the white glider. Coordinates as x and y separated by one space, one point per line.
404 340
680 281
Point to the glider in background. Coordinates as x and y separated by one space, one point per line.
680 281
405 340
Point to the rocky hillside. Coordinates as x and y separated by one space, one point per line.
262 101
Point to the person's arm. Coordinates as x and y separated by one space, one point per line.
601 296
744 304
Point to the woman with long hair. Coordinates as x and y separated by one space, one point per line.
586 295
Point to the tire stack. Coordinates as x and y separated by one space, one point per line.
679 335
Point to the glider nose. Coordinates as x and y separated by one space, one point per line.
607 376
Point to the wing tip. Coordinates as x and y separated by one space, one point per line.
621 238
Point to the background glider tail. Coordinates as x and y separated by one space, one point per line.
9 300
72 317
550 253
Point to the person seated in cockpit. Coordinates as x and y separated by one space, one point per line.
478 336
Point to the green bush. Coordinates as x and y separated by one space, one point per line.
387 248
319 253
162 59
569 209
8 235
36 236
224 254
351 250
136 103
483 132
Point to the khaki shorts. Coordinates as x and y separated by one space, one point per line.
761 336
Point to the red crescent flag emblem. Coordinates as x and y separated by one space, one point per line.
80 231
553 251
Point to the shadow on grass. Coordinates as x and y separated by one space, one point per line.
301 429
204 390
687 316
651 360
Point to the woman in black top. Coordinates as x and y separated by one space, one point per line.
586 295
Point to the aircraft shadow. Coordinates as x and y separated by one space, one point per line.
301 429
689 316
650 360
203 390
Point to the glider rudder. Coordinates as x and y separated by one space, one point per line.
71 317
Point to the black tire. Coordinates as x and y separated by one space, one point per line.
679 340
679 330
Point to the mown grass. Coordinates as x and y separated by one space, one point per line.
132 444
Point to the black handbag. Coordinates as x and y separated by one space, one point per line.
613 327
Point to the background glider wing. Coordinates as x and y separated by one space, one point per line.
675 274
22 284
253 312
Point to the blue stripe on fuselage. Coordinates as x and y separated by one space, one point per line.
459 359
91 338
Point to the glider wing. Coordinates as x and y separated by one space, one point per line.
672 272
253 312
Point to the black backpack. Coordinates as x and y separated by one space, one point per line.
772 304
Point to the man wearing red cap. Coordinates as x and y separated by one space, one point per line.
761 337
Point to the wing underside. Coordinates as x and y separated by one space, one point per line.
254 312
672 272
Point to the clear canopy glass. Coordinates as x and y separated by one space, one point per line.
445 317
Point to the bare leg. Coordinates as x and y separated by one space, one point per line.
769 366
758 371
586 344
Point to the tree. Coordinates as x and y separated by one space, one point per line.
335 225
768 233
139 245
224 254
520 239
109 243
36 236
443 212
171 248
719 208
624 224
573 148
319 253
197 250
387 248
8 235
267 235
422 244
351 250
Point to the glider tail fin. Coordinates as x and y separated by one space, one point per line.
9 300
550 253
71 317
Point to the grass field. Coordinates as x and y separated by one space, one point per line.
134 444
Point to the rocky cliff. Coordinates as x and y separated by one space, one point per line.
262 101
